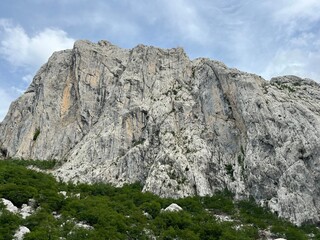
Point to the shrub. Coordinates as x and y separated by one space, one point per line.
153 208
230 171
36 134
9 222
18 195
42 164
221 202
251 213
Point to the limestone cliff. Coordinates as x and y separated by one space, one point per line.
179 127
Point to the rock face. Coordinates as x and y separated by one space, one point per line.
179 127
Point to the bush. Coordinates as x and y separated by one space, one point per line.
80 233
9 222
289 232
41 164
18 195
177 220
191 204
36 134
221 202
153 208
251 213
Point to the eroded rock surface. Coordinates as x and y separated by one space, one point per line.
179 127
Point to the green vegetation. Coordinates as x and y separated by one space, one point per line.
283 86
127 213
230 170
138 142
8 223
36 134
44 165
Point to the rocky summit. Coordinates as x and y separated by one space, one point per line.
180 127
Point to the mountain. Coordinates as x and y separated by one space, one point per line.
178 126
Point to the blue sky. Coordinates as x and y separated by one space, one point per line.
268 37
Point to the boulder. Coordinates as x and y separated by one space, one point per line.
19 234
173 207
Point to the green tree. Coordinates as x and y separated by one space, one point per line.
153 208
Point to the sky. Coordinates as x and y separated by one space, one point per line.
268 37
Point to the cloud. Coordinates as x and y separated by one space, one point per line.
296 10
185 17
22 50
25 53
301 57
294 25
5 102
27 78
260 37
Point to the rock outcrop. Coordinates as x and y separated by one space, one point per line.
19 234
179 127
173 207
9 205
25 211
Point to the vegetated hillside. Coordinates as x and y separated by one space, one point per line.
180 127
100 211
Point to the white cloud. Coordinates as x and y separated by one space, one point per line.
173 21
27 78
17 91
22 50
185 17
301 57
299 9
5 102
296 51
26 53
294 62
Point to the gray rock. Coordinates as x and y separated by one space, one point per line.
19 234
147 215
9 206
25 210
83 225
223 218
179 127
63 193
173 207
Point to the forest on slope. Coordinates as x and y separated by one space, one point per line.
101 211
